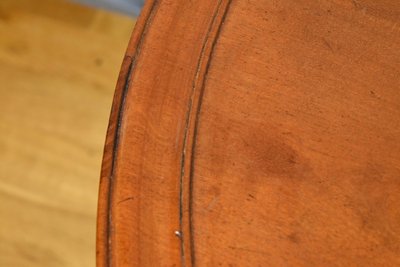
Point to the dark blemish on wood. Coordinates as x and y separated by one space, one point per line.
271 156
214 191
250 197
249 250
293 237
289 114
327 44
292 159
4 15
355 3
124 200
18 48
98 62
373 94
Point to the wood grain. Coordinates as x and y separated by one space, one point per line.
58 67
255 133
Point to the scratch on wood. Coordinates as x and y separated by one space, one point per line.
124 200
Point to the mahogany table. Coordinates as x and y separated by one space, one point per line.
255 133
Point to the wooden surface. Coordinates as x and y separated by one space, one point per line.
58 66
255 133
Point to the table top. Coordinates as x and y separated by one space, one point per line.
255 133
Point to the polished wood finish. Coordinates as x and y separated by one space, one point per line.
255 133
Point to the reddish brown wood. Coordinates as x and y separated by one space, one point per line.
255 133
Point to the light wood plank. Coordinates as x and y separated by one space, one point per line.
58 67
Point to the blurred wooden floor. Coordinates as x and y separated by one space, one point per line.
58 67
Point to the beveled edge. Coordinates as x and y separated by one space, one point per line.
103 242
104 219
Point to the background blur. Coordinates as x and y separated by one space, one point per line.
59 63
